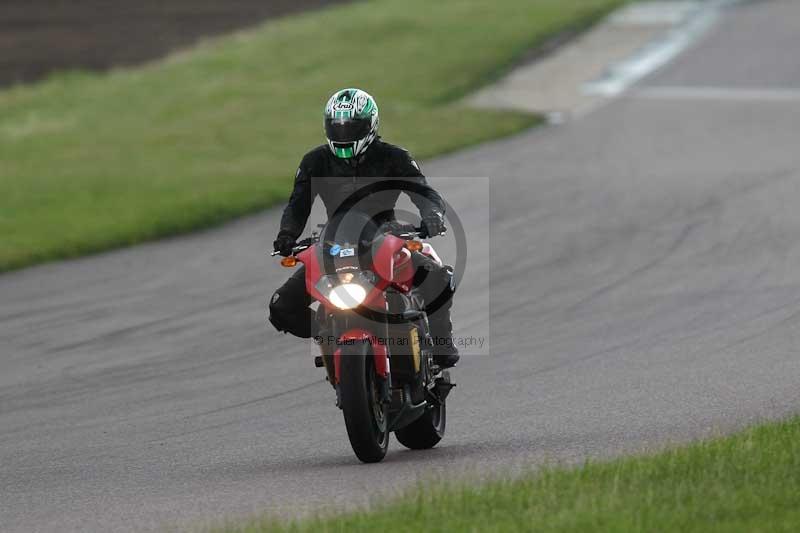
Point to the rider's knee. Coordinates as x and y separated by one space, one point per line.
287 317
279 315
443 280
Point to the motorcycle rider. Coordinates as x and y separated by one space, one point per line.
348 164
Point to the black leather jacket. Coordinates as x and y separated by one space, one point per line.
371 184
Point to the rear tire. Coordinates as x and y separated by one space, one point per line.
365 415
426 431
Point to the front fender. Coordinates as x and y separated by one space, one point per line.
357 335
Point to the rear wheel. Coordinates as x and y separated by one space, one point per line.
426 431
365 415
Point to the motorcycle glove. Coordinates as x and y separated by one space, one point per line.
284 244
433 224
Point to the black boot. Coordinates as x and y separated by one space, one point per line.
437 285
445 353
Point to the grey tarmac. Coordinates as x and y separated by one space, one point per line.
644 291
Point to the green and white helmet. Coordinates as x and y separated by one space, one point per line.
351 122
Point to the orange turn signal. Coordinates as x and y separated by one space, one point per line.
289 262
414 246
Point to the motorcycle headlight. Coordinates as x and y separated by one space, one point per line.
347 295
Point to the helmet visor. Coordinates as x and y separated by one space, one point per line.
347 130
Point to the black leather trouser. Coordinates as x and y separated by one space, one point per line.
289 307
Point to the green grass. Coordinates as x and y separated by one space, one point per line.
747 482
93 161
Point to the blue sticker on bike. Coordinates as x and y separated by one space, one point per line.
335 250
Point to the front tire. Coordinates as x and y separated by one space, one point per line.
426 431
365 415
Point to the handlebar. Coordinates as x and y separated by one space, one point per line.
300 246
404 231
409 230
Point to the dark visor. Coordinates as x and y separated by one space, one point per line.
347 130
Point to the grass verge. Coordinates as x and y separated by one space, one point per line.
94 161
746 482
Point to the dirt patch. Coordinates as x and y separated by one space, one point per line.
38 37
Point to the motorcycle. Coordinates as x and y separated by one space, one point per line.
375 341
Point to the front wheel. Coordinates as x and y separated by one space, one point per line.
426 431
365 414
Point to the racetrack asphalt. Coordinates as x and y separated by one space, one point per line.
642 265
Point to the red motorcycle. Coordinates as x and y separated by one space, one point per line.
374 339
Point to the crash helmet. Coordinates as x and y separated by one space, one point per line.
351 122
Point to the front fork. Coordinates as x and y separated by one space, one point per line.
342 329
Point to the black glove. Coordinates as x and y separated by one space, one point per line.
284 244
433 224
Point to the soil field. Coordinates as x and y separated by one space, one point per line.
38 37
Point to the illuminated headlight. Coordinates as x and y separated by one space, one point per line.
347 295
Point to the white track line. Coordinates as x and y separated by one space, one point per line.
719 94
624 74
